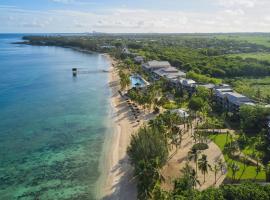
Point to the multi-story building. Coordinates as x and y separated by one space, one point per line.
169 73
154 65
139 59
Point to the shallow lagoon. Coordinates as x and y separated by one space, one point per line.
52 125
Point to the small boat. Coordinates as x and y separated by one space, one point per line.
106 71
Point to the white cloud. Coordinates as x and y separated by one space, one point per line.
237 3
227 19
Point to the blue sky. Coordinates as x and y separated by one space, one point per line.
29 16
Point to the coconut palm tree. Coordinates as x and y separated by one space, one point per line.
216 170
235 168
124 80
203 165
258 170
221 165
157 124
227 135
176 136
193 154
191 175
267 172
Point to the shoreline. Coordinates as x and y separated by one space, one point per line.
116 180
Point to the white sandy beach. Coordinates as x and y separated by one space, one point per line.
117 178
117 181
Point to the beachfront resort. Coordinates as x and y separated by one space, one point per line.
201 139
184 128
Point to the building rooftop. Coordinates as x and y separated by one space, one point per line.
237 98
188 82
170 73
222 86
180 112
207 86
158 64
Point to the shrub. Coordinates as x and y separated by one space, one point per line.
200 146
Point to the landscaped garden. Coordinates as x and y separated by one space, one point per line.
245 171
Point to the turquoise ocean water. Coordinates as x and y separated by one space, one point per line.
52 126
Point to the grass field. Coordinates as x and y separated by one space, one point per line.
258 56
256 38
244 173
253 87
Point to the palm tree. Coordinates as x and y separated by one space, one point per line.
267 172
235 168
157 124
193 154
191 175
176 136
258 170
194 179
203 165
216 169
124 80
221 165
227 135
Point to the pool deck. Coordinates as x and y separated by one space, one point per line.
136 76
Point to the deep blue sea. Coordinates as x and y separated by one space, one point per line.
52 125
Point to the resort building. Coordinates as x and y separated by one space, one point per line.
209 86
180 112
231 101
139 59
189 85
151 66
169 73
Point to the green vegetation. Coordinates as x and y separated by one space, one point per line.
148 152
254 118
252 87
207 58
203 78
203 54
259 39
245 171
183 190
258 56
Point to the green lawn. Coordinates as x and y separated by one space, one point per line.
244 173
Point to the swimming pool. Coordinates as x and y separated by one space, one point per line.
137 81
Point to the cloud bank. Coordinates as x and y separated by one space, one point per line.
229 16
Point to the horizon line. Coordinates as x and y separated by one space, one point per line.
114 33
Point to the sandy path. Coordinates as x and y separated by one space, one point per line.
173 168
